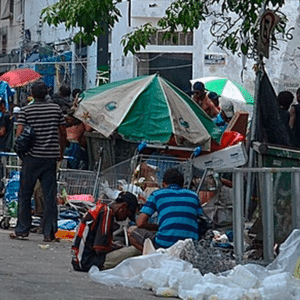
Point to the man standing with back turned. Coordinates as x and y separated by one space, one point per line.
49 126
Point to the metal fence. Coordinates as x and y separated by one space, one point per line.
267 195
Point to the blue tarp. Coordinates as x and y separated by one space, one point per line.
5 92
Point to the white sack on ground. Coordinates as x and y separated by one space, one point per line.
168 275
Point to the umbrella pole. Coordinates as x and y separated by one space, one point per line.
253 136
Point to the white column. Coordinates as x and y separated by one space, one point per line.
91 66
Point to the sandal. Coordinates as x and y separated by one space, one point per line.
49 240
13 235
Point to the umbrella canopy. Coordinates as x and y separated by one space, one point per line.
20 77
147 108
227 88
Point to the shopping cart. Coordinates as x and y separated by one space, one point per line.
143 173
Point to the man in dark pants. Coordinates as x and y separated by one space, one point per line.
49 126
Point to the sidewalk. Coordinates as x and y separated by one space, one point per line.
29 269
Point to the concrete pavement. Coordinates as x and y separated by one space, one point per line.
29 269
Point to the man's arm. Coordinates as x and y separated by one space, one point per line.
62 139
292 117
20 129
2 131
143 222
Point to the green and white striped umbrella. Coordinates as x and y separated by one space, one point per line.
147 108
226 88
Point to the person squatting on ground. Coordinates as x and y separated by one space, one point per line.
178 211
49 126
94 237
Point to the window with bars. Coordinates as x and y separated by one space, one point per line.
3 40
181 39
6 9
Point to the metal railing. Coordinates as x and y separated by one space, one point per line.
267 201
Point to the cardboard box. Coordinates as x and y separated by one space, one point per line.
230 157
239 123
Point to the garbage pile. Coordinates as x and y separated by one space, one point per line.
168 275
207 259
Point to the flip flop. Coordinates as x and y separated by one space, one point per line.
49 240
18 236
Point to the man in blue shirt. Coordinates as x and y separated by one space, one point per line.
178 210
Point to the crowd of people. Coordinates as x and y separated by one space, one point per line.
59 133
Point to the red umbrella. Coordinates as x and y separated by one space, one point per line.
20 77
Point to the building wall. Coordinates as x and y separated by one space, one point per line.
283 65
27 34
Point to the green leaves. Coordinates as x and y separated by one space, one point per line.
91 17
235 20
133 41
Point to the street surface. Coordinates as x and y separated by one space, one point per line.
32 269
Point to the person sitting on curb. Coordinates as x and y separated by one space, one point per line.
94 238
178 211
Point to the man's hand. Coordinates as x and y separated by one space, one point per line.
117 245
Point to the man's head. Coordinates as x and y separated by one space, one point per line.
227 110
2 105
65 90
125 206
198 92
173 176
39 90
76 92
214 97
285 99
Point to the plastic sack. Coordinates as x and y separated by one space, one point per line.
70 214
11 196
67 224
129 272
289 253
229 138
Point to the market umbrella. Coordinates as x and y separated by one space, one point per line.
20 77
227 88
147 108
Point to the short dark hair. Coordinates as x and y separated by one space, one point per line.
65 90
285 99
214 97
75 92
198 86
39 90
298 91
131 201
173 176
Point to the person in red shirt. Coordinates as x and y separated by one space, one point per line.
201 98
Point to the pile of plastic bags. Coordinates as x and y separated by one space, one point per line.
167 275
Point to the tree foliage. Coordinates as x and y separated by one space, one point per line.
234 24
91 17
